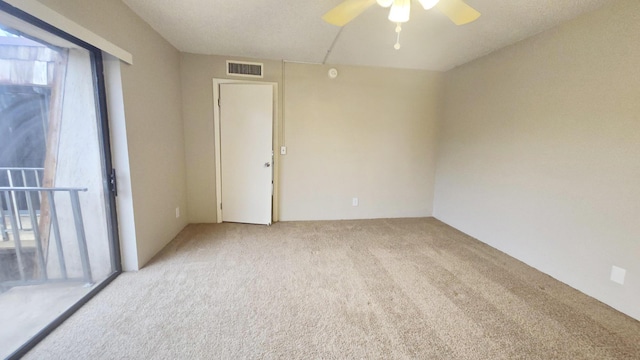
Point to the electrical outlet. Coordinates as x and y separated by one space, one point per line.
354 202
178 212
283 150
618 274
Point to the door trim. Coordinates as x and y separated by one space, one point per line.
275 141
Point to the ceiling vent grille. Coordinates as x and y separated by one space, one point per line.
246 69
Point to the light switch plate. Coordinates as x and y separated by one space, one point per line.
283 150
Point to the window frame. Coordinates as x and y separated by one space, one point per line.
97 63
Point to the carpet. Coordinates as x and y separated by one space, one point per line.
363 289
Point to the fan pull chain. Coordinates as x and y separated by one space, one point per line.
398 29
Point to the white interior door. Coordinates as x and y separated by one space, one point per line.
246 121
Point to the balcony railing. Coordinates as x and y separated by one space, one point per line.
32 231
20 177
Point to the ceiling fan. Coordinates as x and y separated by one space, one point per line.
456 10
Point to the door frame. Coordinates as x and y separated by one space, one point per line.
275 141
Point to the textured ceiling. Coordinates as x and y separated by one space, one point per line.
293 30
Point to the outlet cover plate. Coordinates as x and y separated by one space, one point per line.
618 274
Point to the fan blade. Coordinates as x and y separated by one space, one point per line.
458 11
346 11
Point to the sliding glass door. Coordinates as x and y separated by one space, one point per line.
58 241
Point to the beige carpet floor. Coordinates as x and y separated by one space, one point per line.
372 289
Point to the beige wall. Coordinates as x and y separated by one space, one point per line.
369 134
540 152
152 106
198 72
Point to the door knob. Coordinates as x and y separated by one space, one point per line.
267 164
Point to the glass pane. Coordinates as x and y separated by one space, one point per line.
55 243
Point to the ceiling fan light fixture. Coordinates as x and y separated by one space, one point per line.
400 11
456 10
385 3
428 4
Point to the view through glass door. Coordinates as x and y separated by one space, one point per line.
57 225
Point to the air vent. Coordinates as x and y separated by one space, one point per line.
246 69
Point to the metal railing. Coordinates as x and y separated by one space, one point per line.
34 197
20 177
